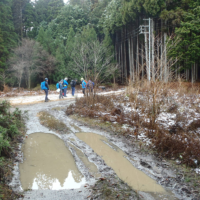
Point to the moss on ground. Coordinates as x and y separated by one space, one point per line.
48 120
112 188
95 123
57 108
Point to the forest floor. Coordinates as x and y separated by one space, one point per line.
178 180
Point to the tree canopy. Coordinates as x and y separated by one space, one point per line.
59 27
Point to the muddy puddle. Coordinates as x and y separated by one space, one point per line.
90 166
116 159
48 164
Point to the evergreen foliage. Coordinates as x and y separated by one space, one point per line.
59 27
70 16
11 129
9 125
8 37
17 11
189 34
29 22
47 10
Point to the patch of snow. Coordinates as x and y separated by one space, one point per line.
167 119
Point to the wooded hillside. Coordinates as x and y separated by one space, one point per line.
102 40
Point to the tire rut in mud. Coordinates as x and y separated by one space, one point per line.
99 162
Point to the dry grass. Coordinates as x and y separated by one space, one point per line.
52 123
180 146
140 109
6 89
194 125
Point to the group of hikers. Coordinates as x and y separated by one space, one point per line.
62 86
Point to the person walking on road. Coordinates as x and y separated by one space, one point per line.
73 84
45 87
65 84
61 89
83 84
90 85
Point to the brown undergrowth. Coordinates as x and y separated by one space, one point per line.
48 120
139 111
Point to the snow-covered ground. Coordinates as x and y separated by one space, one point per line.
53 96
178 116
187 106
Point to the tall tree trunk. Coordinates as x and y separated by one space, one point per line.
21 20
129 53
161 55
152 33
133 64
122 66
142 58
115 56
146 56
193 73
114 79
125 64
29 79
119 55
165 59
196 71
137 58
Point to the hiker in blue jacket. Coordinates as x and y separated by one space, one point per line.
83 84
45 87
61 88
65 84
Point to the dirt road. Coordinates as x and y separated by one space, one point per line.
95 161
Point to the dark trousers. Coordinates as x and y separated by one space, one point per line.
90 89
84 91
61 94
46 95
73 91
65 92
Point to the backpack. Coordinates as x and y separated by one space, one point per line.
57 86
90 84
43 87
72 83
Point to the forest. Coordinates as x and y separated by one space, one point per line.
107 40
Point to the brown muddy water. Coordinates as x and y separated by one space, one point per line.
48 164
90 166
116 159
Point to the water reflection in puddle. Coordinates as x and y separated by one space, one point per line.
48 164
115 158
